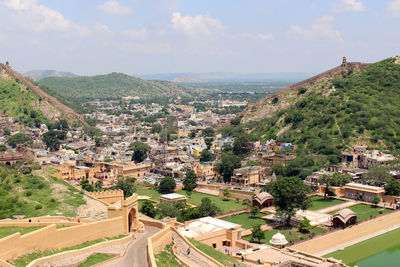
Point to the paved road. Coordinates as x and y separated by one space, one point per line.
136 254
194 259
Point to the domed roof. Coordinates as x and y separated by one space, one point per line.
344 215
262 197
278 239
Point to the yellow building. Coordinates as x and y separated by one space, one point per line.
205 170
69 171
128 169
196 151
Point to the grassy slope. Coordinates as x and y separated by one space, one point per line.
213 253
31 195
370 247
96 258
6 231
17 101
112 86
166 258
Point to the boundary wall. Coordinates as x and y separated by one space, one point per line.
44 221
49 237
68 254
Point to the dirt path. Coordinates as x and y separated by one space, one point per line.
93 209
194 259
338 207
337 239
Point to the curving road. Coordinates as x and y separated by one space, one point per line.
136 254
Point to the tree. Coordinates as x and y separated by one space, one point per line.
166 209
236 121
377 175
246 201
156 128
192 134
240 145
206 156
228 163
98 185
207 208
208 142
86 185
208 132
254 211
226 193
6 131
392 188
376 201
167 185
257 233
51 140
127 185
148 209
19 138
305 225
290 194
189 183
140 151
3 148
336 179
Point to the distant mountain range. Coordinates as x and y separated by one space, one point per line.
41 74
114 86
191 77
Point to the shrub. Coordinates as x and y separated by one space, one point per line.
38 207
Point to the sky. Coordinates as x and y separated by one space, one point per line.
90 37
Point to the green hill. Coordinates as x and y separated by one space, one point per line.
332 114
113 86
27 107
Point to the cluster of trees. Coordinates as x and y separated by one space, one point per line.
140 151
19 139
127 185
179 210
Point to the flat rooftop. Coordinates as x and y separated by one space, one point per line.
172 196
206 225
363 187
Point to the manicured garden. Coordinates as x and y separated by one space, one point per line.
291 234
319 202
154 194
225 206
365 211
213 253
6 231
166 258
96 258
388 242
245 219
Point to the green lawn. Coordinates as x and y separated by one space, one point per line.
319 202
225 206
6 231
26 259
245 221
166 258
154 194
364 211
213 253
96 258
295 236
355 253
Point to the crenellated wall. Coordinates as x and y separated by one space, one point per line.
108 197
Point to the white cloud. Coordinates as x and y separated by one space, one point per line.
394 8
198 25
159 48
114 8
259 36
141 34
39 18
348 6
320 29
103 28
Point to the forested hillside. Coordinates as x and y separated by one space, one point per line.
113 86
334 114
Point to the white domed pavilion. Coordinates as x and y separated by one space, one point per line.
278 240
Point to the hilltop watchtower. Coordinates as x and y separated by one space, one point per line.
344 62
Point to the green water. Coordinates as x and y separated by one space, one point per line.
388 258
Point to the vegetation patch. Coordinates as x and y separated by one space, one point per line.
246 220
166 258
213 253
355 253
319 202
6 231
96 258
